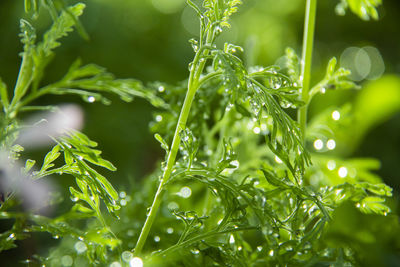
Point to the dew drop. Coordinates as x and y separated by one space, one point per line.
161 89
259 248
170 230
318 144
271 252
331 144
231 240
148 211
126 256
235 163
173 206
157 239
278 160
122 194
80 247
323 90
115 264
91 99
331 165
190 66
67 260
159 118
11 236
336 115
256 130
136 262
123 202
195 251
342 172
185 192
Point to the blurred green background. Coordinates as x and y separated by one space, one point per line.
147 40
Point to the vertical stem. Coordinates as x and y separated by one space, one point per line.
308 42
193 84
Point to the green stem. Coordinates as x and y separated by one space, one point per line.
308 42
193 85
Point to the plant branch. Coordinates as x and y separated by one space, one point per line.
308 42
193 85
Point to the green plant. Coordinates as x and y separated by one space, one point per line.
238 186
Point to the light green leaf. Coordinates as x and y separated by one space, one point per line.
28 165
362 8
50 157
373 204
4 94
28 38
335 79
61 27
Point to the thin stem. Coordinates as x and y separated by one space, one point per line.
193 85
308 42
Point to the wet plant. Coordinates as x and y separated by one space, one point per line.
243 182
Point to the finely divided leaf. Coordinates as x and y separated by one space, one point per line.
61 27
362 8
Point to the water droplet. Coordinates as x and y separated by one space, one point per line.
331 144
331 165
352 173
191 66
157 239
323 90
91 99
231 240
11 236
56 237
240 248
336 115
195 251
67 260
161 89
115 264
338 191
170 230
271 252
80 238
256 130
342 172
185 192
259 248
80 247
159 118
235 163
285 104
81 158
122 194
126 256
148 210
385 213
173 206
123 202
278 160
318 144
136 262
